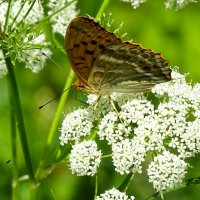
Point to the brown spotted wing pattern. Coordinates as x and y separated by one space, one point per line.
105 64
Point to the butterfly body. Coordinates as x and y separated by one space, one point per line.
105 64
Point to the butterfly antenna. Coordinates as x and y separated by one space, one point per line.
44 54
80 100
40 107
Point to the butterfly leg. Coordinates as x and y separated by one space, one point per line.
115 109
97 102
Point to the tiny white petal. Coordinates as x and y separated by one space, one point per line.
61 19
114 194
85 158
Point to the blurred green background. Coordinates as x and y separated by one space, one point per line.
176 34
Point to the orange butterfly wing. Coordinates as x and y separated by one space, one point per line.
128 68
84 41
105 64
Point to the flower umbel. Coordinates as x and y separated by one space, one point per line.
23 39
85 158
141 127
166 171
128 155
75 126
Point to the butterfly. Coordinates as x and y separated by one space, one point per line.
105 64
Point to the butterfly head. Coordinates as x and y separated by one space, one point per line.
80 86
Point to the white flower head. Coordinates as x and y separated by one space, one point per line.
85 158
177 116
168 3
36 12
152 132
21 39
111 129
35 58
75 126
187 141
166 171
62 19
136 109
178 3
114 194
128 155
135 3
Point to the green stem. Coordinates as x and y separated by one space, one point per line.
61 104
28 11
15 182
18 114
124 186
15 18
102 8
54 125
7 15
96 187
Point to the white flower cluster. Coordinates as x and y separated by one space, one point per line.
23 42
75 126
35 58
168 3
128 155
111 129
114 194
135 3
166 171
178 3
35 14
61 19
136 126
26 44
178 116
85 158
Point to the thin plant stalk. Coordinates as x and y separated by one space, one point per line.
54 125
15 182
124 186
7 14
102 8
18 114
